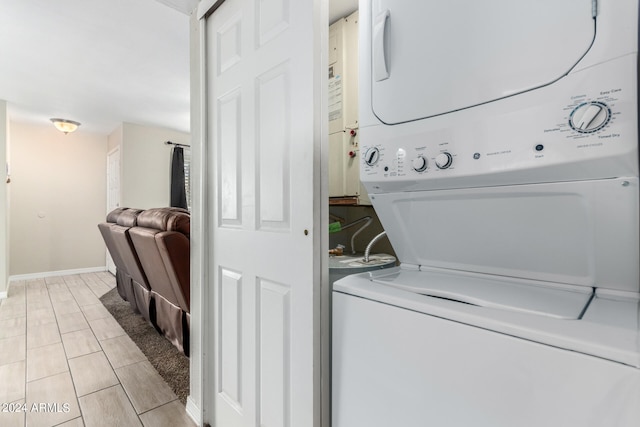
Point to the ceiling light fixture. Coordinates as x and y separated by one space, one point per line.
64 125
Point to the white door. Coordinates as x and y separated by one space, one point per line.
113 191
266 123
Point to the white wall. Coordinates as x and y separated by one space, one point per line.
58 196
146 165
4 200
114 139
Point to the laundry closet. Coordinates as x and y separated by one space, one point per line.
498 143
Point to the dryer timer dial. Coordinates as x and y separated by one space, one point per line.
590 117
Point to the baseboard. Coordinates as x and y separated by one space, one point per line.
3 295
193 411
44 274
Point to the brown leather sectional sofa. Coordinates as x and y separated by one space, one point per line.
150 249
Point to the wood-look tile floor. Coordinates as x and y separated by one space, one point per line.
65 361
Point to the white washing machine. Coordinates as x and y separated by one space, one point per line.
500 150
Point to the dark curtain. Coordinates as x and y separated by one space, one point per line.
178 192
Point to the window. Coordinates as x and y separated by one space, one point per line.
187 176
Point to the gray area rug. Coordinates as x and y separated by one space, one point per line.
170 363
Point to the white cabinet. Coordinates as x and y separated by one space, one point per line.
344 149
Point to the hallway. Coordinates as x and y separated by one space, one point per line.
64 360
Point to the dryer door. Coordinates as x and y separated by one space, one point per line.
433 57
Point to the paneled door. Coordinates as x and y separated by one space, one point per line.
264 112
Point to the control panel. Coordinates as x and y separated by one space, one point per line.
554 134
416 161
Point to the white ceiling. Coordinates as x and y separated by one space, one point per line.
101 62
341 8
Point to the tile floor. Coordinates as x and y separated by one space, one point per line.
65 361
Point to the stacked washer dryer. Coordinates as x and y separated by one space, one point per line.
500 151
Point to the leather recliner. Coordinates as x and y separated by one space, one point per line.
161 239
123 279
141 299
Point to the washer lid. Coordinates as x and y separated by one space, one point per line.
434 57
526 296
561 232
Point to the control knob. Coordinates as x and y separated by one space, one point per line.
419 164
444 160
372 156
590 117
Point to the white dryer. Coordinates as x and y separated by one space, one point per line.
500 150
